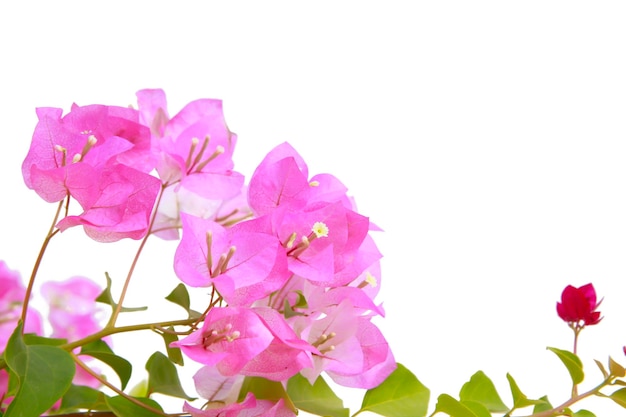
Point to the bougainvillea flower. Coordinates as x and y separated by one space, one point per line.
194 151
249 407
74 313
378 361
68 152
195 146
229 338
213 386
12 293
285 356
248 341
579 305
243 265
118 207
353 351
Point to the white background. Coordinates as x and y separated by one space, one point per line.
487 138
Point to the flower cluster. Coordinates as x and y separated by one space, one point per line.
291 265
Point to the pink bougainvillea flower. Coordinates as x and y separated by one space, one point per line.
212 385
12 293
118 207
230 337
249 407
68 152
243 265
286 355
248 341
579 306
194 148
352 350
74 313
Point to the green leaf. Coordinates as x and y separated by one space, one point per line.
265 389
583 413
44 374
605 374
480 389
180 296
520 400
123 407
82 397
101 351
454 408
573 364
619 397
616 369
173 353
164 377
107 298
401 394
543 406
33 339
318 398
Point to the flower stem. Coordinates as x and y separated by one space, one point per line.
118 308
573 400
114 388
31 281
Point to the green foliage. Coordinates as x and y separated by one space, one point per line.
173 353
520 400
107 298
43 374
122 407
80 397
573 364
543 406
318 398
619 397
180 296
583 413
616 369
454 408
101 351
481 390
164 377
400 395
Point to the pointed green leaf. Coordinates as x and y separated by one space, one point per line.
173 353
605 374
180 296
82 397
543 406
480 389
616 369
101 351
33 339
619 397
43 374
583 413
520 400
573 364
164 377
140 389
265 389
454 408
123 407
318 398
107 298
401 394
